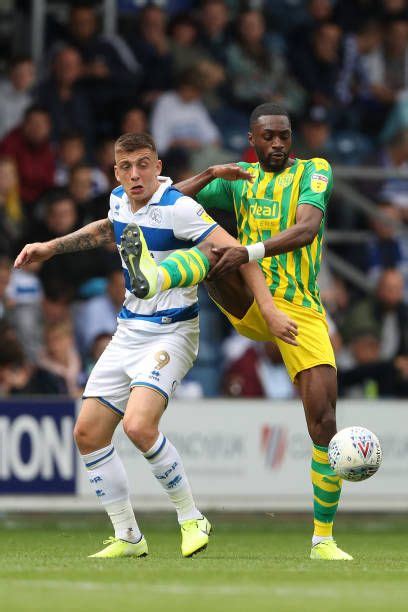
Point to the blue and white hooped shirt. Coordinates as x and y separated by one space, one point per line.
169 221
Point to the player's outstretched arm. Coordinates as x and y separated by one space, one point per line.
308 220
93 235
279 324
229 172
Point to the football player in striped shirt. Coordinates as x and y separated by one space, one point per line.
280 205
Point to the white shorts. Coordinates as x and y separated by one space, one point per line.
134 357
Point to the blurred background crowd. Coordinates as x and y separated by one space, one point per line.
190 73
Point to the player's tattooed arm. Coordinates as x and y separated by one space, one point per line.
93 235
229 172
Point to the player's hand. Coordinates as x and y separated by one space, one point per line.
231 172
230 258
281 326
37 251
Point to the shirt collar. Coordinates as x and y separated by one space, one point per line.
165 183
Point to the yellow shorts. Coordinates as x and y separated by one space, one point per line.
314 348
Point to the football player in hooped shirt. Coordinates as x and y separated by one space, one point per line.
156 341
280 204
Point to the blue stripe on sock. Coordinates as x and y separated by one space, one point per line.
88 465
158 450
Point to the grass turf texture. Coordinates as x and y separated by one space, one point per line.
253 563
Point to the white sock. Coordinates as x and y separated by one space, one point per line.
318 539
108 477
167 467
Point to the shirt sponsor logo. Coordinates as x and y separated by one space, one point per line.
318 183
263 209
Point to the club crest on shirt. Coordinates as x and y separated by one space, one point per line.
318 183
155 215
285 180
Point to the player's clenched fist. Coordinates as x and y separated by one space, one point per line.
38 251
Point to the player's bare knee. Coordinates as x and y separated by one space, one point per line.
142 434
323 428
84 438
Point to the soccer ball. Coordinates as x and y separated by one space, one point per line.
355 453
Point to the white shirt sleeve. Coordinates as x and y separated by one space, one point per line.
190 221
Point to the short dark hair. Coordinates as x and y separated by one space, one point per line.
133 142
55 195
269 108
16 60
36 108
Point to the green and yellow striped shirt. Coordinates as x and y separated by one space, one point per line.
266 207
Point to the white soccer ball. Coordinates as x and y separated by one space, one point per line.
355 453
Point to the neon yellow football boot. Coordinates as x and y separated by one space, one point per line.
120 548
140 264
329 551
194 536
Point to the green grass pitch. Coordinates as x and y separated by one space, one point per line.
254 563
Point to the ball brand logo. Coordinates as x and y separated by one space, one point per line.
273 445
364 448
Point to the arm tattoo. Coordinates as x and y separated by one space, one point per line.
91 236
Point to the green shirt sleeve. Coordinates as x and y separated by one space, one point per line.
217 194
316 184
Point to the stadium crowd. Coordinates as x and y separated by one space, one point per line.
190 73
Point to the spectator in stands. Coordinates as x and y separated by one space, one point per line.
258 371
11 215
370 376
85 183
184 46
394 156
353 86
99 314
180 119
317 138
316 64
79 273
5 273
385 314
152 50
30 147
61 359
16 93
317 12
256 71
25 294
387 66
388 248
62 96
134 120
96 349
215 33
71 151
105 162
103 57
